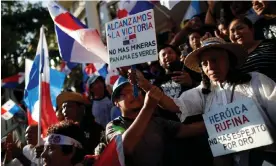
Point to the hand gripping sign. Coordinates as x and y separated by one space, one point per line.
236 127
131 40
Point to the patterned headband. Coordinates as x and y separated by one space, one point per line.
57 139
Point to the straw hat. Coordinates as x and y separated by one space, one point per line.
192 59
71 96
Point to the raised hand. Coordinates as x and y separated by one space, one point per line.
218 34
183 78
13 151
153 97
136 77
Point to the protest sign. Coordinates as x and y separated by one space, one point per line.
131 40
236 127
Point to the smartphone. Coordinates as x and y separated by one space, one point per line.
183 47
174 74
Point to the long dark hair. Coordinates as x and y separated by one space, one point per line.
106 94
244 20
199 31
234 76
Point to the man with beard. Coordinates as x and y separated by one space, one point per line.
144 136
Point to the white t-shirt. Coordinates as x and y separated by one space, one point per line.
261 89
29 153
14 162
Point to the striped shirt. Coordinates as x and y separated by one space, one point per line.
262 59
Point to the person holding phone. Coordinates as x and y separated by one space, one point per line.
222 86
177 77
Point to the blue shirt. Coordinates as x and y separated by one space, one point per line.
101 110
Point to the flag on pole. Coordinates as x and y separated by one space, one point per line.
96 68
132 7
90 69
169 3
56 83
111 77
66 67
85 76
13 81
113 154
193 9
76 42
9 109
31 97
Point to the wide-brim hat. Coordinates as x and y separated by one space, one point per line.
192 59
71 96
121 81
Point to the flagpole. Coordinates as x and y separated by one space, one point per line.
40 91
135 86
162 11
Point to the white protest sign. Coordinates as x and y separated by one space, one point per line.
131 40
236 127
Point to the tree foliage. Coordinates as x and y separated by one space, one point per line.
21 23
20 28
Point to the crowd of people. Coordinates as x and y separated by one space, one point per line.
218 57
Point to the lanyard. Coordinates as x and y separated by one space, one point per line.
224 98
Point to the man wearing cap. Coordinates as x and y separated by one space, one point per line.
100 98
73 106
219 61
144 137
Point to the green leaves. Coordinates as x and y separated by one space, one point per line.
20 27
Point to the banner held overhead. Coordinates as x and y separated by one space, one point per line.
132 40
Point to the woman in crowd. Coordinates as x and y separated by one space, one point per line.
194 40
261 53
101 103
218 62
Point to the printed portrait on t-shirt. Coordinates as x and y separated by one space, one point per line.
171 89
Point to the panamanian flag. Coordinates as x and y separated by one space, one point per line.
129 7
130 39
76 42
9 109
113 154
40 68
13 81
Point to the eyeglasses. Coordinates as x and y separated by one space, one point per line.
127 93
